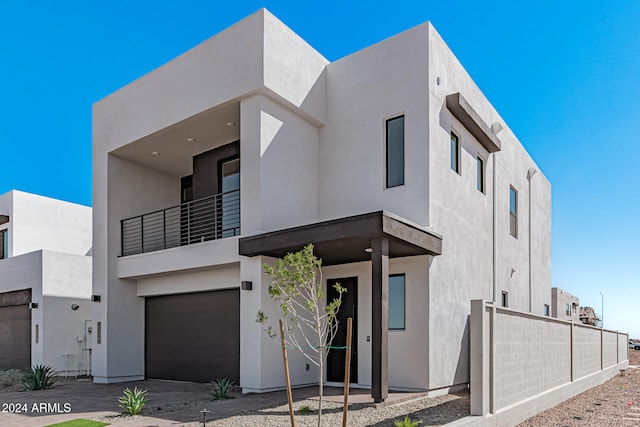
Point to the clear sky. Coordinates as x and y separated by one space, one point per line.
565 76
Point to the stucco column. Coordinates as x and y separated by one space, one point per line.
380 319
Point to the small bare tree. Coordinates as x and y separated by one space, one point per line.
310 325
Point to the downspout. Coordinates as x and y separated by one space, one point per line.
530 173
493 197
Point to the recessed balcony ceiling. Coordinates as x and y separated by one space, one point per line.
171 150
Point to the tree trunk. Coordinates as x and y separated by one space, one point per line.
320 389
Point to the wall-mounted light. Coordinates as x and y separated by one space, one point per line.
74 307
231 124
95 298
33 305
155 153
191 140
368 250
247 285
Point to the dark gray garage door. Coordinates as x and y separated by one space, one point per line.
193 337
15 330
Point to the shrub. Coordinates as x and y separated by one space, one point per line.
305 410
40 377
11 378
406 422
133 401
221 388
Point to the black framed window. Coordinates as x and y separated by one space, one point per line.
505 299
396 301
546 309
513 212
395 151
480 174
455 153
4 244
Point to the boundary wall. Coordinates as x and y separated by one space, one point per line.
523 364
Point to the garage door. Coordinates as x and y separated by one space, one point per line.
15 330
193 337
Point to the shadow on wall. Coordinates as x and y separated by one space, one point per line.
463 368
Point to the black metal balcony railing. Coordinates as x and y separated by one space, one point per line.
198 221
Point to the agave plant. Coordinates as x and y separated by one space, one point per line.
132 402
406 422
40 377
221 388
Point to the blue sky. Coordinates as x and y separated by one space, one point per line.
564 75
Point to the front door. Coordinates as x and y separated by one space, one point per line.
348 308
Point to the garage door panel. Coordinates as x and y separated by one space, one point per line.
15 336
193 337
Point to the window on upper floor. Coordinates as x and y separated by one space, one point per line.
505 299
513 212
395 151
396 301
546 309
4 244
567 310
455 153
480 174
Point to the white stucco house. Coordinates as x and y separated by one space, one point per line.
45 283
414 191
564 305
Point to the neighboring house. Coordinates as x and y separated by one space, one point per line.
45 283
588 316
564 305
414 191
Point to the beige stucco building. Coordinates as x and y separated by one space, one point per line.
413 189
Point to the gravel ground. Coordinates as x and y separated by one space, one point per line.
614 403
12 380
431 411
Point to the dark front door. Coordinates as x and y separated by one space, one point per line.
348 308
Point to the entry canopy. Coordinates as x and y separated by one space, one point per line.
346 240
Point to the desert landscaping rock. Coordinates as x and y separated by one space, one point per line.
614 403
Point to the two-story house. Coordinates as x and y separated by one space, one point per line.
564 305
391 161
45 283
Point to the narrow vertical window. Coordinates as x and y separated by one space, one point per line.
480 174
567 310
396 301
546 309
4 244
455 152
505 299
395 151
513 212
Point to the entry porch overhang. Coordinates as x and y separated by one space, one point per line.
346 240
375 237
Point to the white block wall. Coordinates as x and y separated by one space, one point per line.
522 363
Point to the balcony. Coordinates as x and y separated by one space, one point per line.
210 218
